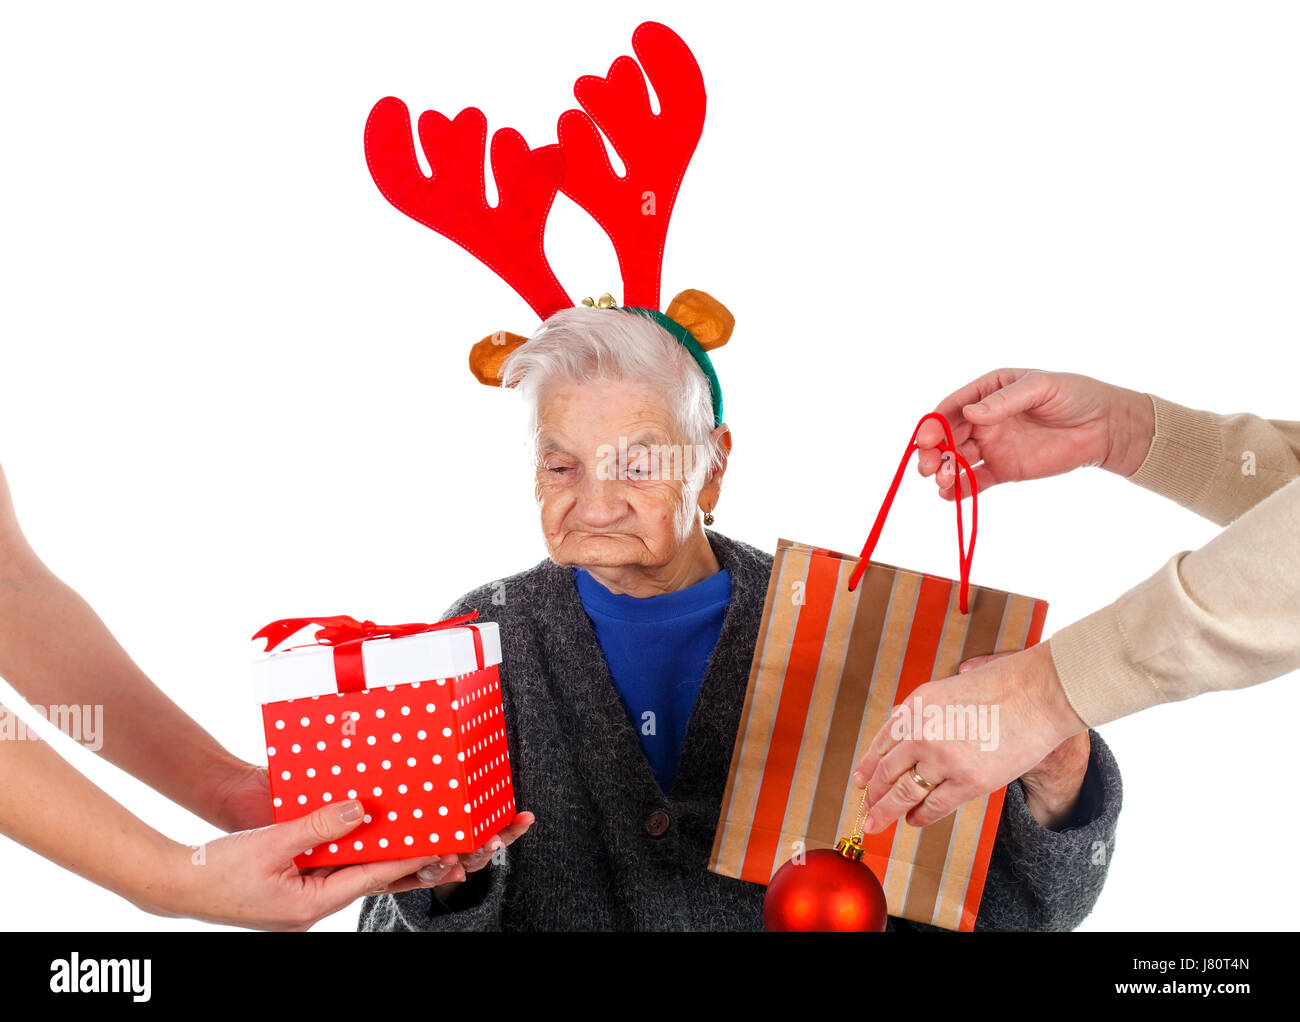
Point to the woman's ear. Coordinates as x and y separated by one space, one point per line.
723 433
712 488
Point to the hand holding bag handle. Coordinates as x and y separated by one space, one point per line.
964 553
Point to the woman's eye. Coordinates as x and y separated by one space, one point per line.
560 468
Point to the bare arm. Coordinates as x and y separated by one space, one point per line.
100 840
246 879
55 650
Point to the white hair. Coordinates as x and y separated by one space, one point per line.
581 345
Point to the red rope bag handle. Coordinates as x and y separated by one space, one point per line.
964 553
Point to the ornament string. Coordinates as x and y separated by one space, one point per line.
861 819
851 847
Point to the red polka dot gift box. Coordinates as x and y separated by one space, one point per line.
406 718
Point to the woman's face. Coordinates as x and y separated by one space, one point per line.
600 509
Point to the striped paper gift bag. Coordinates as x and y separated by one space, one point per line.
842 641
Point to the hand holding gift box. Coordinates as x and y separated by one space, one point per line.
407 718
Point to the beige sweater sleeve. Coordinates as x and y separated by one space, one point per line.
1222 617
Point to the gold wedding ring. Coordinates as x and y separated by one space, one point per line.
921 780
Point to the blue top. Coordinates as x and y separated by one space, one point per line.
658 648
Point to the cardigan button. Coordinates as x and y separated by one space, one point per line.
656 824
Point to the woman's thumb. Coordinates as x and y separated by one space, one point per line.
979 661
1020 396
328 823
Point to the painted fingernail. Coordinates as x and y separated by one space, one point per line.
350 812
431 874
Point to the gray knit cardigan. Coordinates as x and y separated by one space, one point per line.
591 861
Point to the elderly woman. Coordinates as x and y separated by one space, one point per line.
626 655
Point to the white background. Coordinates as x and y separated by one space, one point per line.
234 388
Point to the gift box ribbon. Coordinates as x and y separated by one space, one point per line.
346 634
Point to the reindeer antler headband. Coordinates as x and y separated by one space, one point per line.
633 209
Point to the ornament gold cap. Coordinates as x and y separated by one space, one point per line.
850 847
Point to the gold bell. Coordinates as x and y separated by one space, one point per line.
605 301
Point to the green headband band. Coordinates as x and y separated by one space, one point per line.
693 346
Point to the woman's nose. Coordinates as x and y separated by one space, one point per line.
600 501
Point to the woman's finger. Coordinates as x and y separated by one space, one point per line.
513 830
933 461
947 471
931 435
346 885
436 873
891 767
984 479
481 856
427 876
945 798
903 795
477 859
886 738
472 862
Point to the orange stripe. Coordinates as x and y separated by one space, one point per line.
980 867
791 714
927 630
1036 622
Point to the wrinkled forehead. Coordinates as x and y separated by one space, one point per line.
555 441
582 414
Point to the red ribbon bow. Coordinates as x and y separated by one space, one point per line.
346 634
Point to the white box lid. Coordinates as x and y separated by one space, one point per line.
306 671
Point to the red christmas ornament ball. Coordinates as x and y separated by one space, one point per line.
828 891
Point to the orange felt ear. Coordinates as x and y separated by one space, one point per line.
707 319
488 355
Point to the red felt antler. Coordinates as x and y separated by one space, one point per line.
655 148
453 201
